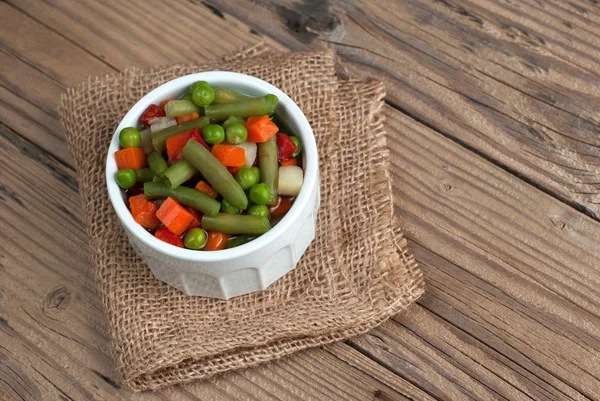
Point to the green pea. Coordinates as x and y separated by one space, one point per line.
227 207
236 134
213 133
195 239
126 178
260 194
246 177
298 144
257 171
130 138
203 96
259 210
198 84
186 96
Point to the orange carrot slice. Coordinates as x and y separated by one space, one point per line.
203 187
216 241
260 129
174 216
229 155
289 162
187 117
133 158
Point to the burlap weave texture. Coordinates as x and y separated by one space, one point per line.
357 273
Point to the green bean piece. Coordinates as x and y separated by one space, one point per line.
233 120
143 175
269 166
240 240
215 173
184 195
146 141
195 239
178 173
157 163
186 96
125 178
282 124
298 144
226 95
178 108
236 224
157 179
253 107
227 207
159 138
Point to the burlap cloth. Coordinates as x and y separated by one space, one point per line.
357 273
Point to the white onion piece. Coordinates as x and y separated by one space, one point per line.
250 149
290 180
160 123
146 143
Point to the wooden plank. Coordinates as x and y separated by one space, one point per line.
511 81
53 340
93 38
28 100
123 35
45 50
475 260
53 357
512 299
34 124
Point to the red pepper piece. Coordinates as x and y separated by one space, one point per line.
177 154
167 236
285 147
197 222
197 137
233 170
151 112
284 204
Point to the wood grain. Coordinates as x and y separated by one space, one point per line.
510 80
512 302
53 340
107 30
53 337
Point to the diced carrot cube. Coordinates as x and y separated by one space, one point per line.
203 187
174 216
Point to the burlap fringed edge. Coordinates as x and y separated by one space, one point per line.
191 370
410 285
412 288
244 52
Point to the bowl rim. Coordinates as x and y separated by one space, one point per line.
233 79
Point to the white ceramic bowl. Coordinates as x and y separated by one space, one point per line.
247 268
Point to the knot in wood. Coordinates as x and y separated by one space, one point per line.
558 223
57 299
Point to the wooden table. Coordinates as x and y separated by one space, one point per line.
493 116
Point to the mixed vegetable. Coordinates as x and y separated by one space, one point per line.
210 170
